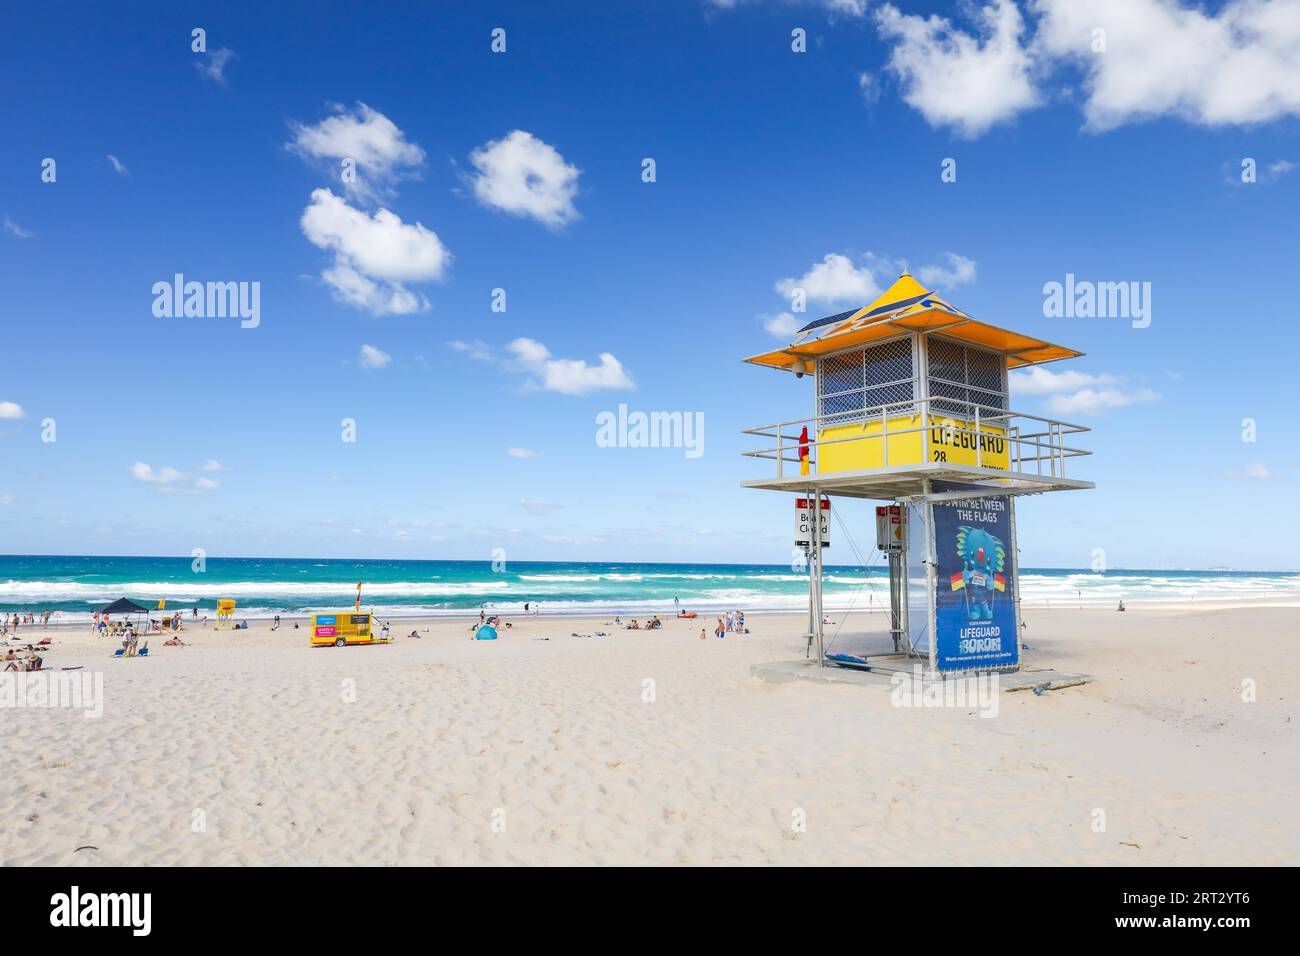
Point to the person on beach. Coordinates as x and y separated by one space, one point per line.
11 661
275 626
526 608
383 634
703 635
719 632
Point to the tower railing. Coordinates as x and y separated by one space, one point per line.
1036 445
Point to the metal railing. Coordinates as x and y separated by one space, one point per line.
1040 451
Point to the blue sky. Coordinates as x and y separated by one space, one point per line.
523 171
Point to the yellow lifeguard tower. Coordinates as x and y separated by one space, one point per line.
912 407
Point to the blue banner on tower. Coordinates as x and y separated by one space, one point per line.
975 611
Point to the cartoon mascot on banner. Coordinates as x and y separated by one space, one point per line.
983 559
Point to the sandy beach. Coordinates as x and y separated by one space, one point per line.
249 747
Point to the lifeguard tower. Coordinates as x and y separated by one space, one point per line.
912 407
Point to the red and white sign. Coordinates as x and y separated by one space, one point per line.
889 527
803 517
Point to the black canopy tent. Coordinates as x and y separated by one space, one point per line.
124 606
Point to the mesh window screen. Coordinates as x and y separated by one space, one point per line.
840 383
889 375
863 379
961 377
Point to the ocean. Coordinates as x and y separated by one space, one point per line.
74 587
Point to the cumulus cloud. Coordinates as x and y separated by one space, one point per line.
956 79
833 280
212 465
1165 58
373 358
173 481
838 280
1257 471
524 176
477 349
783 325
163 476
11 411
373 255
213 65
958 271
1079 393
568 376
539 507
1043 381
379 149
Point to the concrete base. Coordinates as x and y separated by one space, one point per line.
884 668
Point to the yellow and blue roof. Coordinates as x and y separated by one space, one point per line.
907 306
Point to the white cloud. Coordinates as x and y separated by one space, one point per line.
117 165
524 176
959 271
1094 401
1281 167
373 358
11 410
833 280
373 255
1258 472
378 147
1163 58
173 481
569 376
477 350
212 465
522 453
783 325
1073 393
868 87
213 65
14 229
956 79
539 507
1043 381
852 8
164 476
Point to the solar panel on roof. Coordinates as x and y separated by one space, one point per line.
827 321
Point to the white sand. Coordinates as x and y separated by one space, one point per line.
243 749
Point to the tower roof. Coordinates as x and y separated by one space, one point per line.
907 306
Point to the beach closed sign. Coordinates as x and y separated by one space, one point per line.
803 522
975 611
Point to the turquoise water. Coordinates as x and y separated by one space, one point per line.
73 587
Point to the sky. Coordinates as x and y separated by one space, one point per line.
391 175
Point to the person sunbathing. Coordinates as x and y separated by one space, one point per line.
174 642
